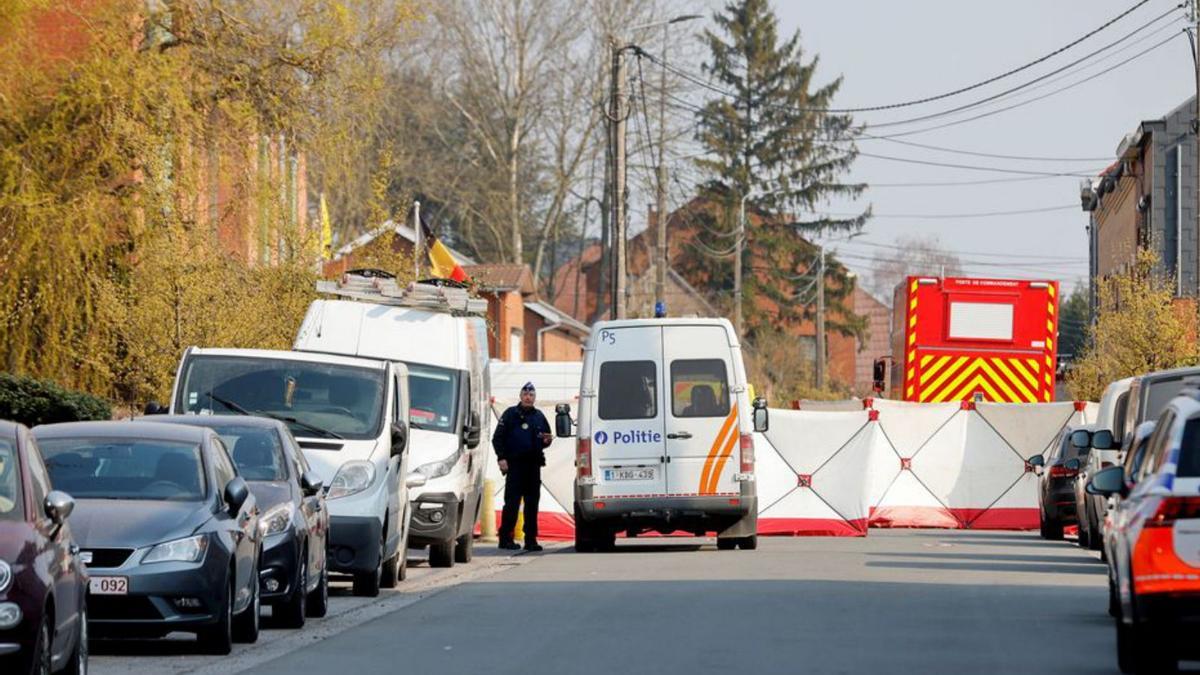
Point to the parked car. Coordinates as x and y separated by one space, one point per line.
294 520
43 583
1155 543
350 416
1056 476
168 529
1131 464
1090 508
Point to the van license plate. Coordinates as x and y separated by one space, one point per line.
633 473
108 585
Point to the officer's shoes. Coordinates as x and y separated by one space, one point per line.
533 547
509 545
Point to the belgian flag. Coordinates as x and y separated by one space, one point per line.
442 264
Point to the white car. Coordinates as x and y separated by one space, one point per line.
665 428
350 418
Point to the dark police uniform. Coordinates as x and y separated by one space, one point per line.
516 441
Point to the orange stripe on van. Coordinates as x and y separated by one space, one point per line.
715 476
716 447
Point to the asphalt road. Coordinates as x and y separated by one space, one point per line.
894 602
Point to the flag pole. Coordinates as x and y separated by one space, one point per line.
417 250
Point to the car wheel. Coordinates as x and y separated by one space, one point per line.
1096 538
246 624
726 544
79 657
40 664
441 554
291 613
218 639
1053 530
1137 655
318 600
749 543
464 548
1114 605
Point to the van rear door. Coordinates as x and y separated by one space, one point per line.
702 427
627 422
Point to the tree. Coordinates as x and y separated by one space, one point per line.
1074 316
911 255
773 140
1140 328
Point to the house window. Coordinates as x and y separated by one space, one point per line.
516 345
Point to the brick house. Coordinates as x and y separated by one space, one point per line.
877 342
521 327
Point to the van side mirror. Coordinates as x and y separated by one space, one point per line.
1081 439
472 432
879 375
762 421
310 485
399 438
236 494
562 420
1106 483
1103 440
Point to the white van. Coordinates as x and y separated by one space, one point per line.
440 335
665 428
350 417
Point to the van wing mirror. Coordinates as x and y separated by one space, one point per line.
1102 440
399 438
762 420
472 432
562 420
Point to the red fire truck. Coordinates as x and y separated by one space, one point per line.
961 339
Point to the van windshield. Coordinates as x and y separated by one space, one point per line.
311 397
433 394
1159 395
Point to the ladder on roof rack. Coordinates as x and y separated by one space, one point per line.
382 289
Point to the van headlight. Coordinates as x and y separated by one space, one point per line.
277 519
441 467
6 576
354 477
189 549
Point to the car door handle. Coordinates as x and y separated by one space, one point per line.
679 435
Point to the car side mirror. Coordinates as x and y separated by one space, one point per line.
472 431
1081 439
236 494
1103 440
310 484
1038 462
562 420
762 420
1106 483
155 408
399 439
58 506
1072 464
415 480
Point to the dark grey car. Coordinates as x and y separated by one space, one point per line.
294 522
167 527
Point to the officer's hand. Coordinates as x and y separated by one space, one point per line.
547 438
503 466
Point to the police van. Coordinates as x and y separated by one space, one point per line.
664 429
439 334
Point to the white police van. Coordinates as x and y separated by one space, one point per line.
350 417
665 428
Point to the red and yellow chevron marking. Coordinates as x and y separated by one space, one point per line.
910 362
1051 334
722 447
959 377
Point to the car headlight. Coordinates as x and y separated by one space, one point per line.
6 576
277 519
190 549
440 467
354 477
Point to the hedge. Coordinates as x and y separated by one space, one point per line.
32 402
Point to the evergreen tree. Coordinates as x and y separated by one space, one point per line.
773 142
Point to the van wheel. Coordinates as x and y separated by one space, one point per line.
441 554
583 535
464 548
726 544
749 543
366 584
606 541
389 575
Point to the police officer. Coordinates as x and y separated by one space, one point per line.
520 441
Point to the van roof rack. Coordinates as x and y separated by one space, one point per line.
379 287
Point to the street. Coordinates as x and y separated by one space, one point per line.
901 601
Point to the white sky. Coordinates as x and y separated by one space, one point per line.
890 51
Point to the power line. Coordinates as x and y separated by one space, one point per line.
970 167
894 247
927 99
939 216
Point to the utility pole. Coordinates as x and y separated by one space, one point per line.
660 266
1195 141
821 318
617 118
737 267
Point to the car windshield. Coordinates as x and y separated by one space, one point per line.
125 468
433 394
257 452
314 399
11 504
